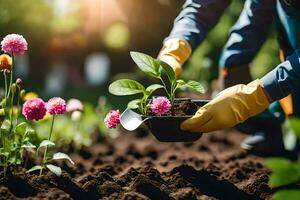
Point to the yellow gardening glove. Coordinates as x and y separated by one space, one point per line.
175 52
230 107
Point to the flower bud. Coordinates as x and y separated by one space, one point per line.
5 62
19 82
22 94
13 88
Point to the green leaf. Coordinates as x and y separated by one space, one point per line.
294 124
134 104
37 167
287 194
46 143
152 88
283 171
278 164
180 83
4 153
29 130
21 125
62 156
169 71
195 86
126 87
6 125
146 63
56 170
28 145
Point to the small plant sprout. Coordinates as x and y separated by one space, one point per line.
156 69
55 106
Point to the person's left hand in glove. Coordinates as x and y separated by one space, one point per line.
230 107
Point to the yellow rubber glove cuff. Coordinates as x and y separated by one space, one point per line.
230 107
175 52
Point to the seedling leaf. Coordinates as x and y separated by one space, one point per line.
62 156
152 88
28 145
126 87
169 70
146 63
37 167
46 143
56 170
134 104
195 86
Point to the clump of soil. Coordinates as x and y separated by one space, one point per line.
131 167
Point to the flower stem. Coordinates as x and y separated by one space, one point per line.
18 104
46 148
11 75
5 94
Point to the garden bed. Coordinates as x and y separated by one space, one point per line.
140 167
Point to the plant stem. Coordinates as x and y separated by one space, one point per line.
18 104
46 148
5 94
11 75
165 87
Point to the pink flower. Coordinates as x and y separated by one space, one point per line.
14 43
160 105
56 106
34 109
74 105
112 119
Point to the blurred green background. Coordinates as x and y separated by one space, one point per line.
76 47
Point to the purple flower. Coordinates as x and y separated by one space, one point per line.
112 119
56 106
74 105
160 105
14 43
34 109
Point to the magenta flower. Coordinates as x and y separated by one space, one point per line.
160 105
56 106
14 44
112 119
74 105
34 109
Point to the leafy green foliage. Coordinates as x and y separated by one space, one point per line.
54 169
153 68
284 171
62 156
291 194
126 87
146 63
294 125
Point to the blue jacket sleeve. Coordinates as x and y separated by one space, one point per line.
196 19
284 79
248 33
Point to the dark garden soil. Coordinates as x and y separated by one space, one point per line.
140 167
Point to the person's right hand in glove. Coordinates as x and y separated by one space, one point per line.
229 108
175 52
